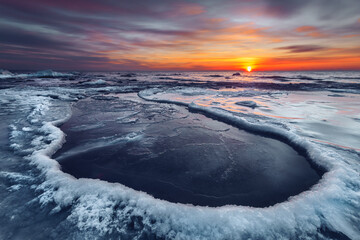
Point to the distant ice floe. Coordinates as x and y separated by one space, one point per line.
214 75
49 73
128 75
5 74
40 74
97 82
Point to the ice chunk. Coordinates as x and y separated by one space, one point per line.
128 75
5 74
250 104
214 75
97 82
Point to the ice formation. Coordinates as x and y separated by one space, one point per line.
329 210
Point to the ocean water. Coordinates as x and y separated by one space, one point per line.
179 155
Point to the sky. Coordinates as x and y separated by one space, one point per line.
160 35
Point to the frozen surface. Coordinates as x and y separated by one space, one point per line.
179 156
317 114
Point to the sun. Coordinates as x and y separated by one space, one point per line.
249 68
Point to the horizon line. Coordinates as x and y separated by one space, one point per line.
225 70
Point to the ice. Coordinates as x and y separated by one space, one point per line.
105 98
14 176
322 158
112 210
101 143
5 74
336 95
94 203
27 129
49 74
128 75
40 74
97 82
250 104
87 127
214 75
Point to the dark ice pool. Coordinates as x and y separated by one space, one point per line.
178 156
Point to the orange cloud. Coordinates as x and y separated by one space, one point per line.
306 29
215 20
310 31
351 36
310 63
212 57
225 45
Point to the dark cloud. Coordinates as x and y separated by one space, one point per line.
285 7
28 59
20 37
325 9
302 48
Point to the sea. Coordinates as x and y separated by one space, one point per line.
179 155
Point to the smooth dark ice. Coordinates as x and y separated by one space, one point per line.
179 156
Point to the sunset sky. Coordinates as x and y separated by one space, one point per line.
180 35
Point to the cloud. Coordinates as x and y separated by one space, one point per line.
306 29
188 9
284 8
18 37
164 34
310 31
302 48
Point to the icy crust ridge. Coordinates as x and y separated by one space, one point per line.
106 208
